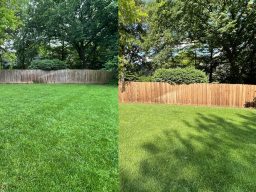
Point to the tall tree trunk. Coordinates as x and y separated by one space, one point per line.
63 51
195 57
22 55
235 74
23 59
1 62
82 58
211 67
252 72
81 53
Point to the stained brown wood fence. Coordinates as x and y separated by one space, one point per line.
227 95
59 76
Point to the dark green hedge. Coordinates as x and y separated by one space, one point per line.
144 79
180 76
47 65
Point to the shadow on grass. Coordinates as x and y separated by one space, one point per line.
217 154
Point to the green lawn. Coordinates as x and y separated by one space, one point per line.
176 148
58 138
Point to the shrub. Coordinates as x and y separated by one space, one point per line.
180 76
144 79
47 65
131 76
112 65
251 104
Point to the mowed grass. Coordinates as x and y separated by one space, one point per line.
176 148
58 138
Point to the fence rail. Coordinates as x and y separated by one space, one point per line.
229 95
59 76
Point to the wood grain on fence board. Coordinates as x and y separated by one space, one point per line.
227 95
59 76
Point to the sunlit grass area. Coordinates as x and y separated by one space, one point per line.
176 148
58 138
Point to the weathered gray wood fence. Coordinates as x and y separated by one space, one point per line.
59 76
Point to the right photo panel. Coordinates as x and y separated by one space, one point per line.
187 95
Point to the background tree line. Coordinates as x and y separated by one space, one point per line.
217 37
77 33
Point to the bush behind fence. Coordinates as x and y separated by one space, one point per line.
59 76
227 95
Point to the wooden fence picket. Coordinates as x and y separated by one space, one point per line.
59 76
227 95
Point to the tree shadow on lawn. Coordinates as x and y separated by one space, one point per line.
216 154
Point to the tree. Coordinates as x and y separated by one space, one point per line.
83 26
9 22
131 16
86 23
223 28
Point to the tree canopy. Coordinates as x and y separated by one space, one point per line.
8 19
9 22
82 33
131 17
218 37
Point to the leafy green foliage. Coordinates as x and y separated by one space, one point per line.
145 78
84 34
131 16
48 65
112 65
58 138
8 20
222 31
129 13
180 76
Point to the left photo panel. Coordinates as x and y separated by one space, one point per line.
59 95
